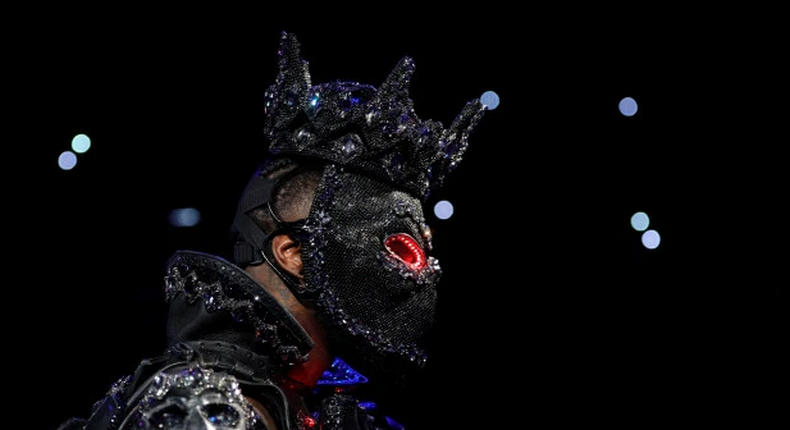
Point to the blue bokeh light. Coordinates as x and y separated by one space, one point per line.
651 239
184 217
67 160
490 99
443 209
628 106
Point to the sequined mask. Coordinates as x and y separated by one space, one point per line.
366 246
366 261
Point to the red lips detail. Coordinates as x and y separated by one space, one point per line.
406 249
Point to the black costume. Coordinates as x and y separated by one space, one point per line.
220 336
368 272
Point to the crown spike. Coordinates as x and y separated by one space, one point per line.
290 90
293 69
455 139
373 131
397 84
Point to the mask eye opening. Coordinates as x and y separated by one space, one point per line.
407 250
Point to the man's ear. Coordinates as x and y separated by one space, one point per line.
287 253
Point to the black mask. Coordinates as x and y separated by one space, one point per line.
366 264
365 243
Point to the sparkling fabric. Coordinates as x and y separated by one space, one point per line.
381 163
367 129
221 288
195 398
384 304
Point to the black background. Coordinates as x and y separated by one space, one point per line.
550 309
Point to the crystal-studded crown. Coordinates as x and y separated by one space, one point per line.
374 131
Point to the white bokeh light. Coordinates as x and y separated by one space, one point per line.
80 144
67 160
640 221
443 209
651 239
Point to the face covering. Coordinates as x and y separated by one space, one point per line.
367 267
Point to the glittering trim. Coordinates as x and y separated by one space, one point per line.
428 275
336 409
364 128
222 286
340 373
404 209
195 381
115 397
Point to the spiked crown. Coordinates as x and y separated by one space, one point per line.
373 131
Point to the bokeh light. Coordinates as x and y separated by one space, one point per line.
67 160
184 217
651 239
80 144
640 221
490 99
443 209
628 106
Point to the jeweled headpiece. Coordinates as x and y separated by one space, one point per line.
373 131
380 163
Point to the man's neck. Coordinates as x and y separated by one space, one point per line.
310 371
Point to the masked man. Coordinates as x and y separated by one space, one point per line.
331 287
